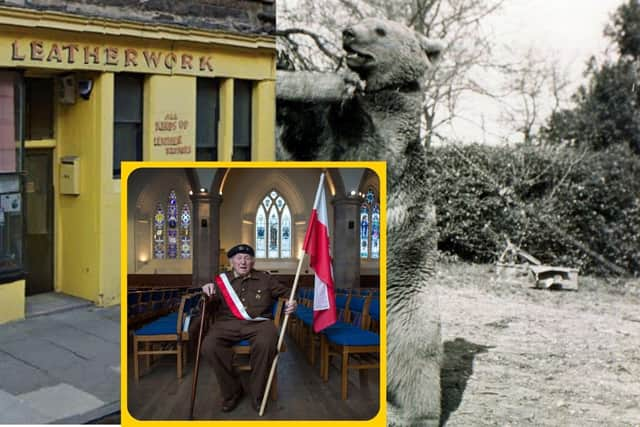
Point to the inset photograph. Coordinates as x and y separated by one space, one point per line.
254 293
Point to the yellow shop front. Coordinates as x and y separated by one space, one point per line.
78 96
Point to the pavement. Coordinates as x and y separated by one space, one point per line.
61 364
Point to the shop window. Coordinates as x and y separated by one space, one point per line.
127 126
207 120
242 119
273 227
370 227
11 151
172 231
39 108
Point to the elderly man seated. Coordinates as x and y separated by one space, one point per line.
245 299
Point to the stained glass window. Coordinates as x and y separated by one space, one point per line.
172 226
185 239
261 233
172 231
370 196
158 232
273 227
285 223
375 232
370 226
273 233
364 230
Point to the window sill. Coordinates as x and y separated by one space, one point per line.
40 143
11 276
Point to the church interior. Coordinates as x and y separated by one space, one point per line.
180 224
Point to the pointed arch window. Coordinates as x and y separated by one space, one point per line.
172 229
370 226
273 232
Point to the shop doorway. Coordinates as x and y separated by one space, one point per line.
38 189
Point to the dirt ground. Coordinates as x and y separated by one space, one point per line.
515 355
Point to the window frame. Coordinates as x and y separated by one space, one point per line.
201 93
280 212
17 272
33 86
138 122
242 148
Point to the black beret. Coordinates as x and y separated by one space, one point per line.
240 249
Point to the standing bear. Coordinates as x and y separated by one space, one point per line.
373 112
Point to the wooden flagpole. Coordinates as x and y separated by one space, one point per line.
265 395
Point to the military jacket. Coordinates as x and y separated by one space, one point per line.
257 290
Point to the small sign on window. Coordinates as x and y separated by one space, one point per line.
10 202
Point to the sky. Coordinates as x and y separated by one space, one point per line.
567 31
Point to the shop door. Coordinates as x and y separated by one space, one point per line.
38 188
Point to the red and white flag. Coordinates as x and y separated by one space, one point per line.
316 244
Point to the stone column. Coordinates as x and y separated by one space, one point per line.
206 237
346 242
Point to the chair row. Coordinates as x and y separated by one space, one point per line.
148 304
354 337
305 295
169 334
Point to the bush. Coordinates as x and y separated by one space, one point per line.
564 207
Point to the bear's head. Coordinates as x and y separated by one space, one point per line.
387 54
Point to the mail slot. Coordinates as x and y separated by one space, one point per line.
70 175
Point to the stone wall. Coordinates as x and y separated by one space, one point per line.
239 16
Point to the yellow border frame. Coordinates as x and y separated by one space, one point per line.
378 167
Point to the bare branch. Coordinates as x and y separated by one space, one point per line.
321 42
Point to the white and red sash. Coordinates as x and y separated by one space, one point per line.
232 300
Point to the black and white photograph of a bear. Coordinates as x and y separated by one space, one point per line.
371 111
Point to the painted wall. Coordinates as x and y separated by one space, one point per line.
169 118
79 133
109 197
12 297
263 121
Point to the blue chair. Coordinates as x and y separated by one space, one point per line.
144 304
310 338
157 300
133 301
348 340
372 320
356 310
171 331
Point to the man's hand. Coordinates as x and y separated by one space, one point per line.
209 289
290 307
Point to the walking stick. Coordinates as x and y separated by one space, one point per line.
197 364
